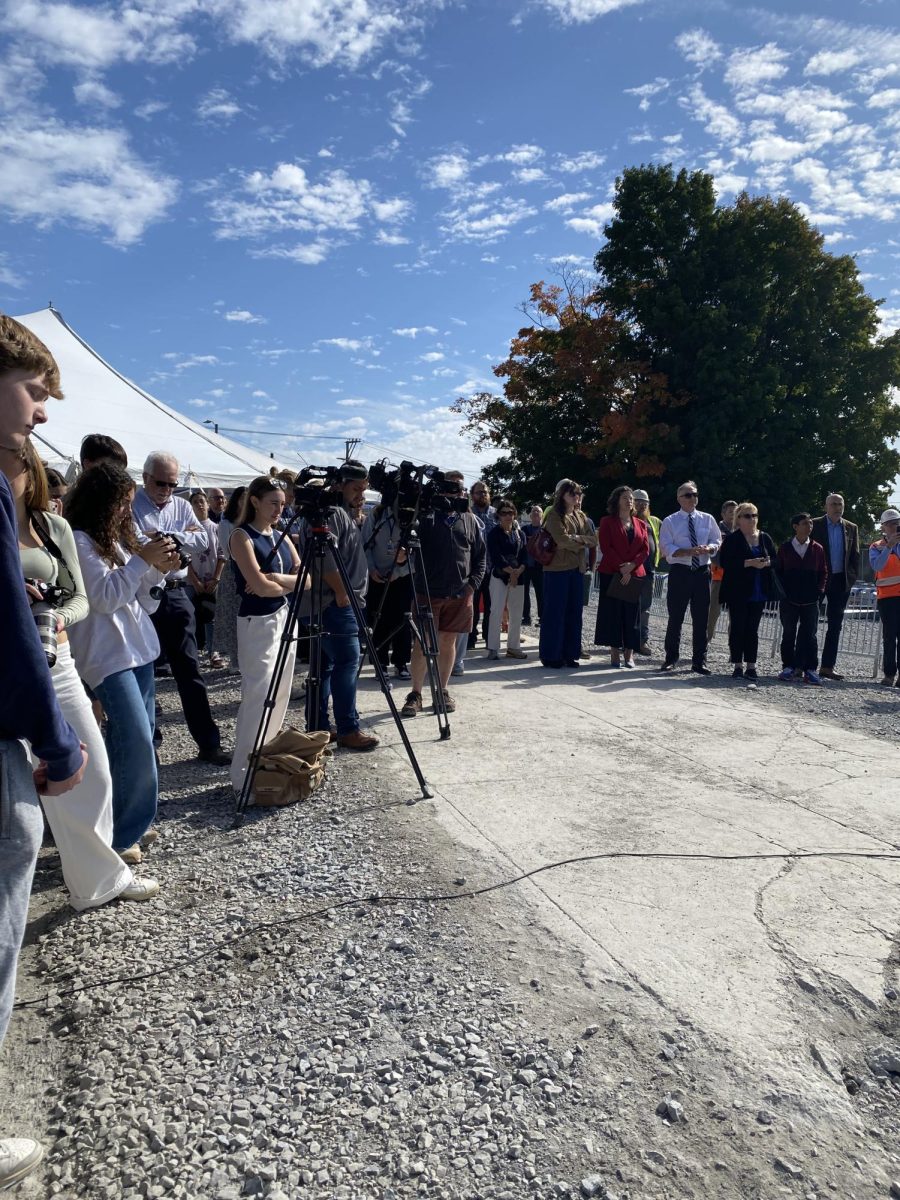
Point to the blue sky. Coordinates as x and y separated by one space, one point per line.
319 218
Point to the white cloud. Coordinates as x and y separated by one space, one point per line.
567 201
349 344
648 90
889 98
218 106
587 160
201 404
288 200
243 317
593 220
717 120
698 47
482 222
94 38
448 171
529 175
94 94
522 155
729 184
90 177
580 11
325 153
773 148
8 277
349 403
196 360
431 356
831 62
383 238
150 108
323 32
751 68
412 331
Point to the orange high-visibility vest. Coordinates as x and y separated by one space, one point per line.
887 580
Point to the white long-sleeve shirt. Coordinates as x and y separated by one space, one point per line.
175 516
117 634
674 534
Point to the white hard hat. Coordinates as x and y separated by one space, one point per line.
889 514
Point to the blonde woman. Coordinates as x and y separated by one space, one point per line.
747 557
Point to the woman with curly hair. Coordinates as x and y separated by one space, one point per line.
115 646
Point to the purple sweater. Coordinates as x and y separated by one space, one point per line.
28 707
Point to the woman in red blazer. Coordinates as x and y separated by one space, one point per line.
624 545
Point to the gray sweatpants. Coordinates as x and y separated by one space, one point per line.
21 829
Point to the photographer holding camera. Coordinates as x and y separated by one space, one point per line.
453 555
157 510
340 645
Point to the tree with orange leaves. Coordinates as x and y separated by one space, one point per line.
571 406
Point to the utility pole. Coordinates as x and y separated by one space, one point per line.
350 444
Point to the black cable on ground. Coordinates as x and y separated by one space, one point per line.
436 898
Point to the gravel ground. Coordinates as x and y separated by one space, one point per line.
276 1033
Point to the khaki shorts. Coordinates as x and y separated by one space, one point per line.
453 615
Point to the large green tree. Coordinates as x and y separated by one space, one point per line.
770 341
721 343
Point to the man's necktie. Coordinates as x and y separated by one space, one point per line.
695 558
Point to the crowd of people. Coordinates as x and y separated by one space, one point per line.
107 585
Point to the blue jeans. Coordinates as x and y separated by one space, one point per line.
128 700
340 663
21 828
561 614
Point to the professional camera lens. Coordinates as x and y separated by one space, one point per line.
45 619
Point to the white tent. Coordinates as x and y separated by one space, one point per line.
100 400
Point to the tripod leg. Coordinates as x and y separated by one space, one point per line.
428 637
284 648
427 791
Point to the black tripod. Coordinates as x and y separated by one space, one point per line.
420 621
320 541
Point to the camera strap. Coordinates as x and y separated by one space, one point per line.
37 520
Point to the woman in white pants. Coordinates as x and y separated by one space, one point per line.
82 820
265 566
508 559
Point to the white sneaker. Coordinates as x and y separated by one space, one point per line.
140 889
18 1158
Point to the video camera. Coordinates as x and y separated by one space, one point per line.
409 489
314 497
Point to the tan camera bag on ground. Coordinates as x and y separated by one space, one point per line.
291 767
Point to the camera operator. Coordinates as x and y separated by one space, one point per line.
28 707
390 597
453 555
157 509
340 645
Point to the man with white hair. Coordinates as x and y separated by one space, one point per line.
840 541
158 510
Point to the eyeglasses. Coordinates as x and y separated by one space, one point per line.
688 495
164 483
749 516
507 512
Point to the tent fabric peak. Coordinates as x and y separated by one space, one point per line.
100 399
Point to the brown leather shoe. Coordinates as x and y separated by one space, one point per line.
332 735
357 740
829 673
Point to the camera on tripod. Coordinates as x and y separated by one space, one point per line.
314 497
408 490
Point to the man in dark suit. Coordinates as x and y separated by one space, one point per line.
840 541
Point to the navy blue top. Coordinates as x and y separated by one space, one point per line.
28 707
505 550
281 563
758 592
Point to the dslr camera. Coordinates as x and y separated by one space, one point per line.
44 613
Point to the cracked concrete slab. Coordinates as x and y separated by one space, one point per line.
542 767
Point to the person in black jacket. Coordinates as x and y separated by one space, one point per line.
802 571
746 558
839 540
506 554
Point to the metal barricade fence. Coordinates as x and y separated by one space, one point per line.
860 635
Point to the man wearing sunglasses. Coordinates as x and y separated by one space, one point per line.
688 539
158 510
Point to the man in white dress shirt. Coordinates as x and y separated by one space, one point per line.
688 539
157 509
